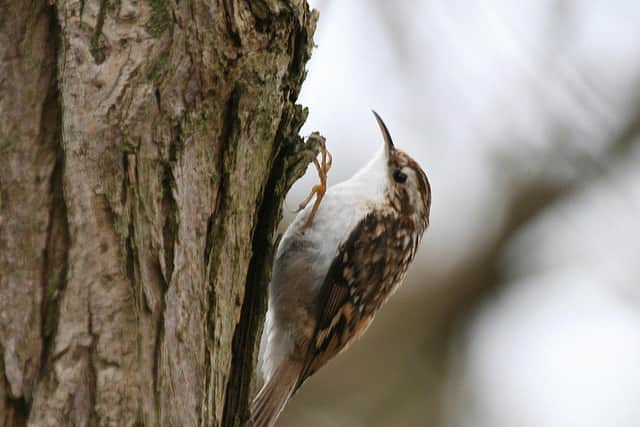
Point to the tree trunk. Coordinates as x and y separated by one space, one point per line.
145 151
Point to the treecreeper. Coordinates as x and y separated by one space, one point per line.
337 263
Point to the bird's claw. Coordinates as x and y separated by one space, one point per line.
320 189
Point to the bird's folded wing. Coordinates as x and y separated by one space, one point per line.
352 290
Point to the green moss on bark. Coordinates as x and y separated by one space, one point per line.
160 17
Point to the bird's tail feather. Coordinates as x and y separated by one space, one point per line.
273 395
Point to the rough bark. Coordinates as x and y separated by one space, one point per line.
145 151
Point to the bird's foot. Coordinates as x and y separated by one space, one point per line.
318 190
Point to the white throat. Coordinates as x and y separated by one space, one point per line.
370 182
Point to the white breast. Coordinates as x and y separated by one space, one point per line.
342 208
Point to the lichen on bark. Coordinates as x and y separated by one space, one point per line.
143 175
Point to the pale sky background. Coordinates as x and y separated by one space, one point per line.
492 98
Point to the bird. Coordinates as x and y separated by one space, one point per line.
337 263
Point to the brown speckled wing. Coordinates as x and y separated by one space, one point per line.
368 267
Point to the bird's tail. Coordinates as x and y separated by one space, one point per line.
273 395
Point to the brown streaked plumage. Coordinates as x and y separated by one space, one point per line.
331 277
368 269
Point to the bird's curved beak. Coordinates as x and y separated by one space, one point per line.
388 142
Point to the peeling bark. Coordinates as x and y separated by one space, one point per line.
146 149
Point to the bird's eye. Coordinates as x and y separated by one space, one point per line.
399 176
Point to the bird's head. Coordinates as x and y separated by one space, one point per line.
408 190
